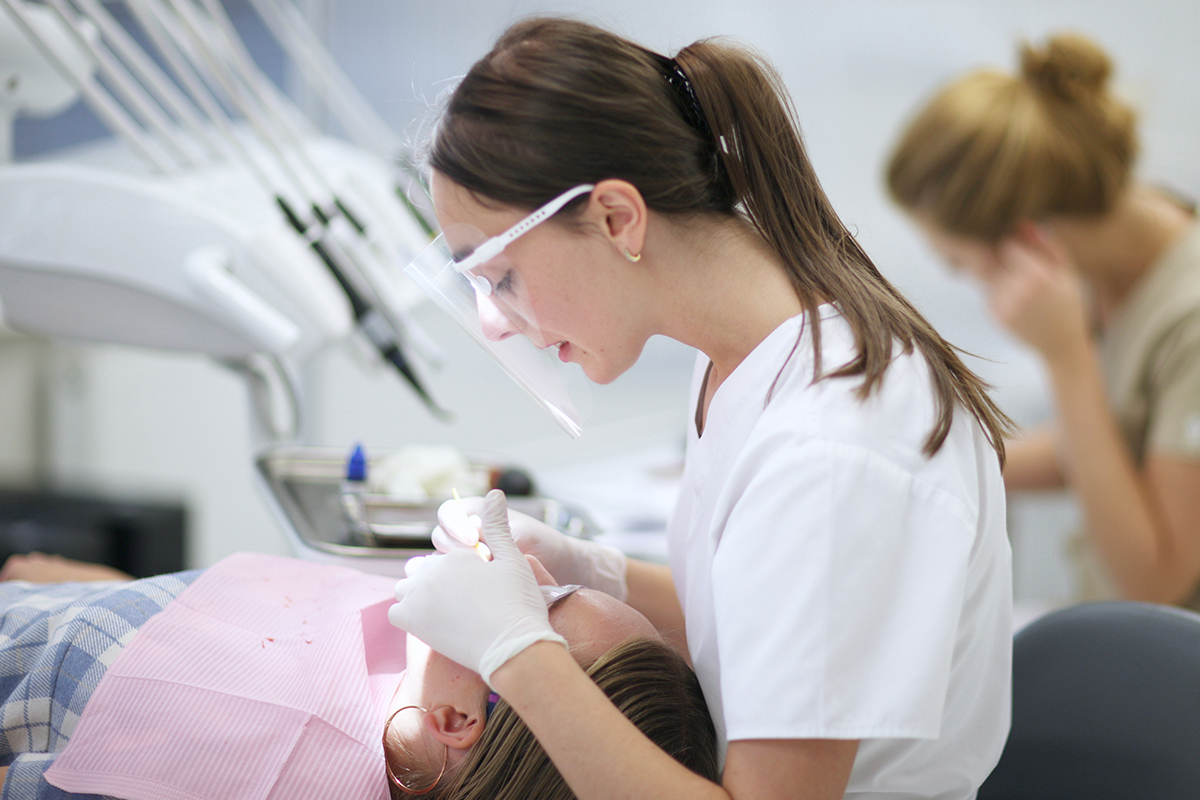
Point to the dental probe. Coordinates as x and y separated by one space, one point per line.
462 524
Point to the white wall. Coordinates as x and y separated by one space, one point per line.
856 68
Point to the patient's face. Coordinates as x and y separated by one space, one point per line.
592 623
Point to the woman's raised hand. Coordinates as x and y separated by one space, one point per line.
476 612
1037 295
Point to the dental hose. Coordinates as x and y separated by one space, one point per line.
369 319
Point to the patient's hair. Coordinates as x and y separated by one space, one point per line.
991 150
646 679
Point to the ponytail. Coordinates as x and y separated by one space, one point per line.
777 189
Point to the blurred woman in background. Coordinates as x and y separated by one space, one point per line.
1025 183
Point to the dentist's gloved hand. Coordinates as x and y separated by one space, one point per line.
568 558
478 613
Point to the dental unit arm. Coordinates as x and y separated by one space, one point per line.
253 240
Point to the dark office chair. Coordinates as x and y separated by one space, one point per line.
1106 706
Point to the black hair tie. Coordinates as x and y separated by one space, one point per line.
685 95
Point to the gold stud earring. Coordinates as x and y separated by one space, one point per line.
631 257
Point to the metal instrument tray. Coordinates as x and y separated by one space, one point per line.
306 486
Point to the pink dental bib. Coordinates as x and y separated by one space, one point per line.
266 679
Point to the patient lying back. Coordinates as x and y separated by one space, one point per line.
450 738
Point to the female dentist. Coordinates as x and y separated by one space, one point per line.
1025 181
838 555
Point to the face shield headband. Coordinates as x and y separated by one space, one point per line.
495 246
450 272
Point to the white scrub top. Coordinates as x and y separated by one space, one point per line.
838 583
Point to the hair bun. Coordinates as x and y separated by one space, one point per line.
1069 67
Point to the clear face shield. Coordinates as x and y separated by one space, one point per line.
469 277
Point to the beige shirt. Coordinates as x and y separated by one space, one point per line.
1150 354
1151 357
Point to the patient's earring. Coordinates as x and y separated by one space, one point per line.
388 765
631 257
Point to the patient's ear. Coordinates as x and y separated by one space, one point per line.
454 727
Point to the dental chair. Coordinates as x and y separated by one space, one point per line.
1106 706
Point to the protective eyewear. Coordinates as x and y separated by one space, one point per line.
493 313
494 246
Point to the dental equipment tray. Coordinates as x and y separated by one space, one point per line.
306 485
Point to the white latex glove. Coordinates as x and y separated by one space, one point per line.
475 612
568 558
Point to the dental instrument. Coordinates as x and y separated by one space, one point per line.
332 231
464 528
68 61
361 123
131 94
246 235
183 131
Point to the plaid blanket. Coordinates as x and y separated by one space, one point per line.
56 641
